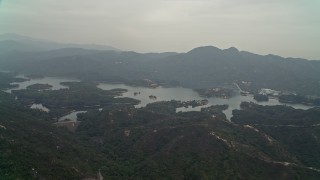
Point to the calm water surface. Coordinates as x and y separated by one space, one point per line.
185 94
40 107
72 116
162 94
53 81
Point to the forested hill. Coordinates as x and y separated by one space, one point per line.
204 66
32 148
128 143
152 142
200 67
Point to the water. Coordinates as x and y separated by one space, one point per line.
162 94
185 94
234 103
40 107
72 116
53 81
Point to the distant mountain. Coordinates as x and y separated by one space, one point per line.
11 45
208 66
201 67
15 42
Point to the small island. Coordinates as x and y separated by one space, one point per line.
39 87
194 103
261 97
153 97
215 92
136 93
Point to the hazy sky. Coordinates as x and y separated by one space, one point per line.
283 27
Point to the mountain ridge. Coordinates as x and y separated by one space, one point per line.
44 44
201 67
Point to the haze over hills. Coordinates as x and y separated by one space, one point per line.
201 67
161 89
15 42
121 141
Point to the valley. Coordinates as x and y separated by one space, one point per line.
120 132
209 113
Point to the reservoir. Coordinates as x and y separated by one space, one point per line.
161 93
53 81
186 94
